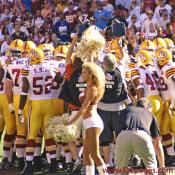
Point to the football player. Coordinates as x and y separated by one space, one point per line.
167 72
48 50
145 80
37 79
14 69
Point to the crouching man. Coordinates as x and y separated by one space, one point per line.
138 133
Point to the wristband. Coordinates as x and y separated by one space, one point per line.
24 93
140 86
20 111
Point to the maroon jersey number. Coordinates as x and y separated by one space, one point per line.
17 74
38 88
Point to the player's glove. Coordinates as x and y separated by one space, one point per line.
172 111
20 116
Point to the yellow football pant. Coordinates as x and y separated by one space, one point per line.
21 128
10 123
41 112
168 124
2 123
157 107
57 107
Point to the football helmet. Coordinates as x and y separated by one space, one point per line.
27 46
147 45
117 43
48 50
159 43
36 56
15 48
169 43
144 58
118 52
164 56
61 51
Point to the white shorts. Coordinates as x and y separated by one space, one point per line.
93 122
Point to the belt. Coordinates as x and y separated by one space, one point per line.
112 106
135 129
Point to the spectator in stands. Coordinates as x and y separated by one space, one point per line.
135 22
141 38
171 3
161 7
160 32
47 10
101 16
70 14
17 5
124 3
84 12
152 32
108 7
18 34
61 5
36 5
2 26
169 31
148 4
146 23
5 44
48 25
93 6
5 14
118 14
41 37
62 28
22 28
8 25
131 38
27 20
48 39
34 36
163 20
38 20
26 4
55 40
143 15
126 14
135 8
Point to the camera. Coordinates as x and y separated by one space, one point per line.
116 29
82 26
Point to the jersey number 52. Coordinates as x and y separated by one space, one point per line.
39 87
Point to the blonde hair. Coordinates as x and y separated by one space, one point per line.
98 77
91 43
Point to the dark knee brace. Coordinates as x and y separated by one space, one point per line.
104 143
